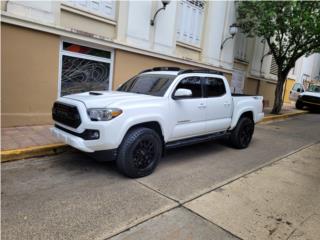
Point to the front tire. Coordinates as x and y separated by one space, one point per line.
139 152
241 135
299 105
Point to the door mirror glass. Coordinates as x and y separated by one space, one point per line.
182 93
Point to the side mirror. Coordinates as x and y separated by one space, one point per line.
299 90
182 93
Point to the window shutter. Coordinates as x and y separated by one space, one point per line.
104 8
274 66
189 22
240 46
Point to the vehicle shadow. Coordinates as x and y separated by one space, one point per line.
78 162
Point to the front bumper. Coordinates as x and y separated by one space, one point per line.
72 140
110 132
310 104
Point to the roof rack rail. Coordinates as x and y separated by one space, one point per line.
200 71
161 69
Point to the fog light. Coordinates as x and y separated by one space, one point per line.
91 134
95 135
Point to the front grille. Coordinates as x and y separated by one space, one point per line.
310 99
66 114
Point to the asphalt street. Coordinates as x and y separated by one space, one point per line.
70 196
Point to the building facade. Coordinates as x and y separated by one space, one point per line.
54 48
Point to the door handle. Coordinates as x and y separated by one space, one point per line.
202 106
227 104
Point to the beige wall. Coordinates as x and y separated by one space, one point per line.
128 64
30 68
29 75
251 86
267 90
89 25
187 53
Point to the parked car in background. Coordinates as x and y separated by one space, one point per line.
310 98
159 108
295 91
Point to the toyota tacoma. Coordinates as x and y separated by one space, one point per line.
159 108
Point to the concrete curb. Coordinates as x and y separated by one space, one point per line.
29 152
38 151
282 116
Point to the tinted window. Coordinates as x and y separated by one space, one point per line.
314 88
215 87
193 84
150 84
296 86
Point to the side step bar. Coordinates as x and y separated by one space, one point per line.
194 140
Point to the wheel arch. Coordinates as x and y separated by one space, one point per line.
249 113
154 125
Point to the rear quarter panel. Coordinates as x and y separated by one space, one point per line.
242 105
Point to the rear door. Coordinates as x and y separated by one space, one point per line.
295 91
218 103
188 113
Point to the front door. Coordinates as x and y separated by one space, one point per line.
188 113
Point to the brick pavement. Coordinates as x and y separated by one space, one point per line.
23 137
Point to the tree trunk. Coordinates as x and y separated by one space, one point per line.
277 105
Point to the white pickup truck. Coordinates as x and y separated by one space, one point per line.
159 108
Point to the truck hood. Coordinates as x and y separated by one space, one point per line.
313 94
102 99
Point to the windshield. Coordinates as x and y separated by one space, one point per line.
314 88
150 84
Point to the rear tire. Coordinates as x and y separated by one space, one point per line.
299 105
241 135
139 152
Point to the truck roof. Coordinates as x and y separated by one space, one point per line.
178 71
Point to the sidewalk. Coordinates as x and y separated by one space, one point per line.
30 141
281 201
34 141
288 110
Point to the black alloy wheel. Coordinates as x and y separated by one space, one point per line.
246 134
143 154
241 135
139 152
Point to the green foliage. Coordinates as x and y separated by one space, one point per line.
291 28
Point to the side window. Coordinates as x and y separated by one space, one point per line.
193 84
296 86
214 87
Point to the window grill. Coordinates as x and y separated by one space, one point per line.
273 67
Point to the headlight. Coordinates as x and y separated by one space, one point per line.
103 114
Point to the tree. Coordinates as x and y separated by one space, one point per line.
290 28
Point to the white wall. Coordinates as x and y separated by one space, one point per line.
259 50
138 28
213 32
309 67
227 53
43 11
164 28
